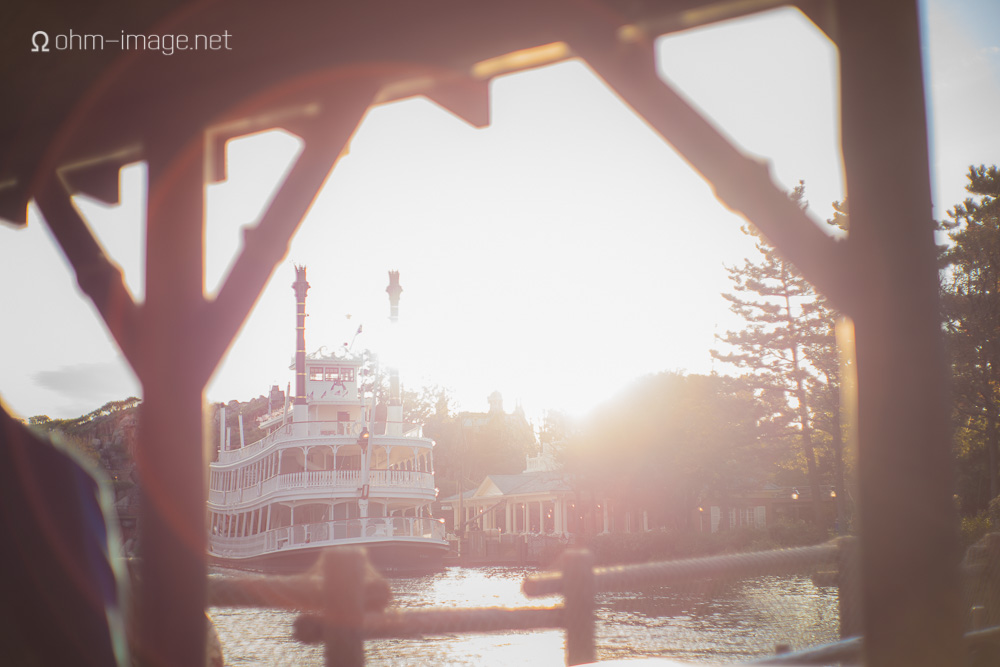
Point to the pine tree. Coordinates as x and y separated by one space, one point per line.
788 325
971 302
826 358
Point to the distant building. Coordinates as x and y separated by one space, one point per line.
540 500
525 503
515 423
764 507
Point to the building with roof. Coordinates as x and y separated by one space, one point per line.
538 502
541 500
765 506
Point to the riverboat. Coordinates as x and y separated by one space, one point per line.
333 469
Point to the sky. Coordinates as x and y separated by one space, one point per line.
554 256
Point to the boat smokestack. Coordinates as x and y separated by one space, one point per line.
395 411
301 287
222 427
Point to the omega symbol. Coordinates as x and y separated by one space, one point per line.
44 47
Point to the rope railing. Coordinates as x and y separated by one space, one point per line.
783 561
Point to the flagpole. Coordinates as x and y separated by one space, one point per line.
355 337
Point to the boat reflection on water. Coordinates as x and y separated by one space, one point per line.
724 622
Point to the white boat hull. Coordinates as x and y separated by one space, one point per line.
393 543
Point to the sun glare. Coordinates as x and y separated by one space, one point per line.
554 256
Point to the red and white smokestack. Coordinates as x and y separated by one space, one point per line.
394 415
300 410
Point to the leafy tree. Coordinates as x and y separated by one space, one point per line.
971 304
472 445
557 426
449 475
441 425
669 441
422 404
495 443
787 335
81 432
252 411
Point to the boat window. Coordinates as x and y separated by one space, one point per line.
331 375
347 374
315 373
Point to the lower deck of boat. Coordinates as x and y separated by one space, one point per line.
388 556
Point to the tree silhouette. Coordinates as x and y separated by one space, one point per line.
971 303
787 323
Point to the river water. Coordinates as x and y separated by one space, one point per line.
704 621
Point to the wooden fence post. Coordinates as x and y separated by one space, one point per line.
579 588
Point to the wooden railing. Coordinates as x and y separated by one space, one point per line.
345 586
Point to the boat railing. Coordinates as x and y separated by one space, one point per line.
269 485
236 547
412 479
344 586
317 429
345 480
231 455
333 532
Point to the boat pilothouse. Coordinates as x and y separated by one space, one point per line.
333 468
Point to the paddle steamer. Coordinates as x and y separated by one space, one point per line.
333 469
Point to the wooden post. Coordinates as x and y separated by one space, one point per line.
344 606
909 542
170 616
578 591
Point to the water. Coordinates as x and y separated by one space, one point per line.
721 622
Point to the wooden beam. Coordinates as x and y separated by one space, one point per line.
741 182
265 245
98 277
